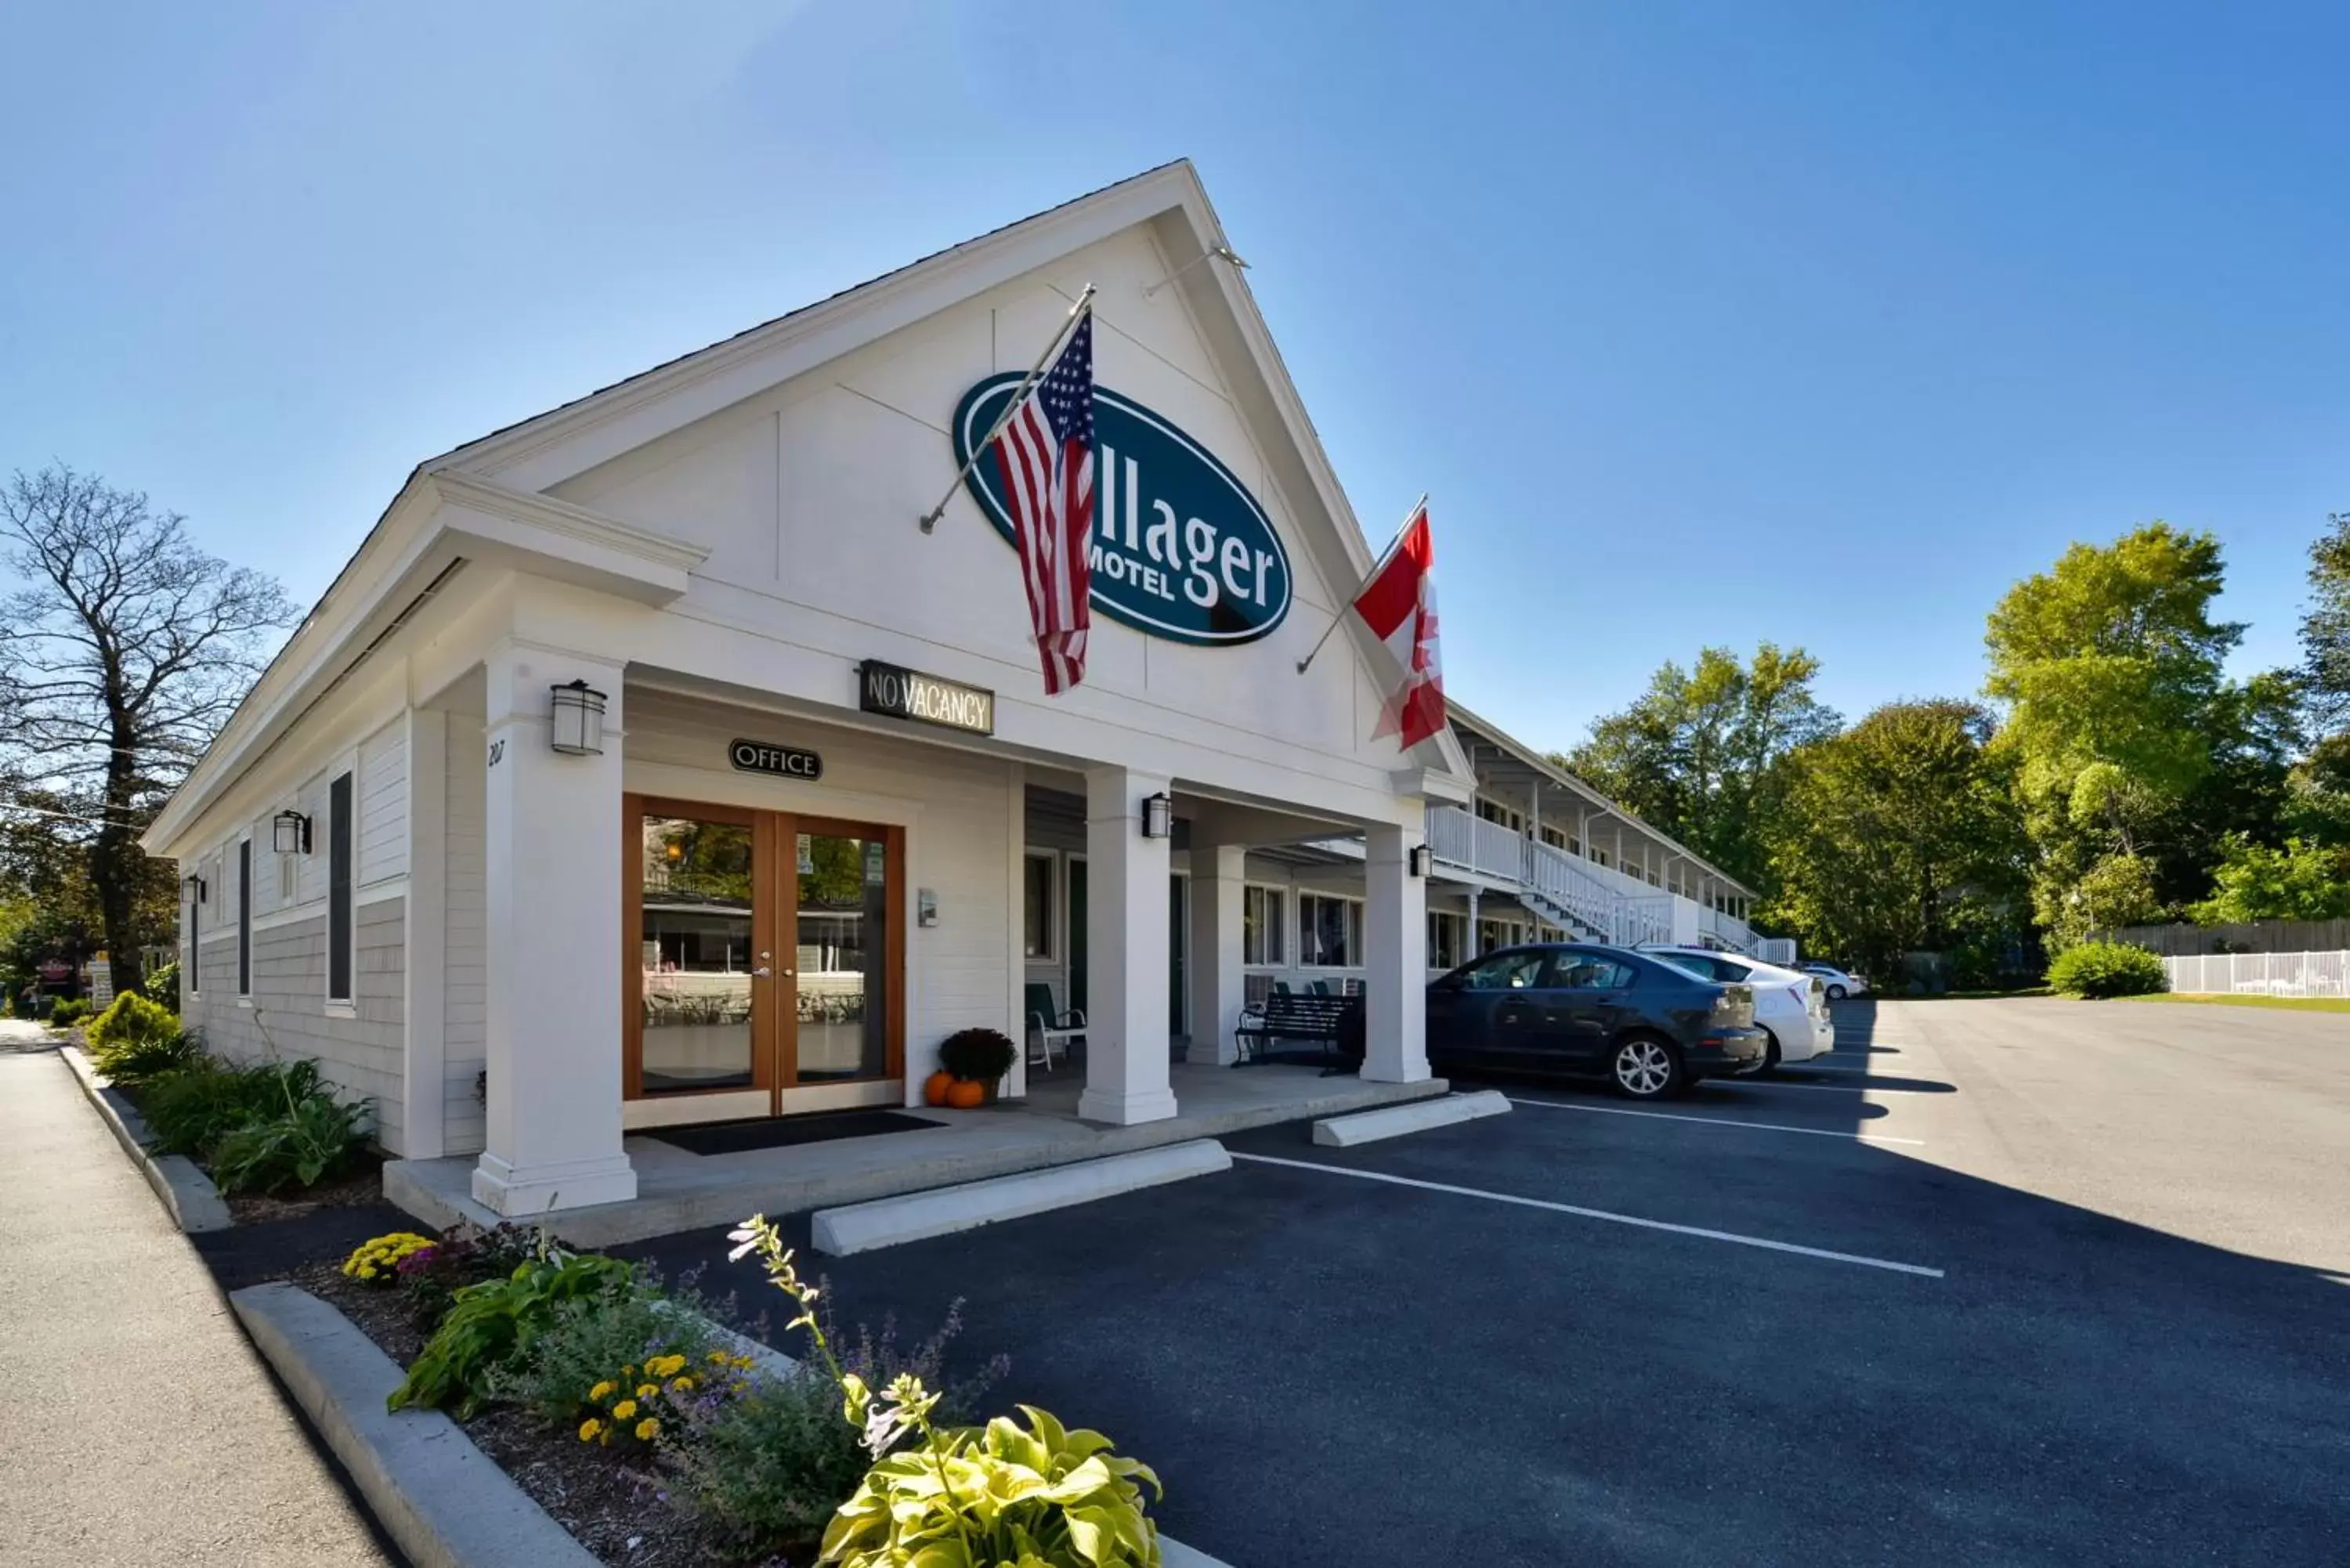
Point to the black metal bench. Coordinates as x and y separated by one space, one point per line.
1333 1023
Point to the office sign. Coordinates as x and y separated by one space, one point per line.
758 757
1179 550
926 698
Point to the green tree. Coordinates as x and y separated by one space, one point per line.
2134 755
2302 881
2326 627
1900 835
1702 754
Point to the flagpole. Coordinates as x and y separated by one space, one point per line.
1417 507
931 518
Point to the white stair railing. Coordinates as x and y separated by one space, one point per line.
1552 879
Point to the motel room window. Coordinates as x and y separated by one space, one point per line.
1260 926
244 916
1037 906
1553 837
1448 934
339 888
1491 934
1494 811
1328 930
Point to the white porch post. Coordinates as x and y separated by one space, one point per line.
552 859
1218 874
1126 934
1395 974
1471 947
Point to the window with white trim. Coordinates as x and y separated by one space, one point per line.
244 916
1329 931
1447 939
1037 906
339 888
1261 942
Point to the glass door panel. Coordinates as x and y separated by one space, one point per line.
695 947
841 934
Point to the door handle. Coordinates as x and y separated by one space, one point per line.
762 973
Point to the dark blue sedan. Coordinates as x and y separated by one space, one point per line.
1649 1028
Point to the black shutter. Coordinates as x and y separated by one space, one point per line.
244 917
339 888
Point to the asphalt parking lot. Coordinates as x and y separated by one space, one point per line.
2026 1282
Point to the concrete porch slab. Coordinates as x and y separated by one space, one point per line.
676 1190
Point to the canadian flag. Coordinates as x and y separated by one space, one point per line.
1399 603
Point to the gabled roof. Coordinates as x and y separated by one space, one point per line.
510 468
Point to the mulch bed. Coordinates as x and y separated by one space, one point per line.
363 1185
617 1508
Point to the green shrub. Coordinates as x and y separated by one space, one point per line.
765 1471
192 1109
136 1039
1039 1495
162 987
491 1325
589 1340
2106 969
67 1011
463 1255
300 1144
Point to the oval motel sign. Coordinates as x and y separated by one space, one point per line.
1180 549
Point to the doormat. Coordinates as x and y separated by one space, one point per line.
781 1132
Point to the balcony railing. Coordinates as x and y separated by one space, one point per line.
1564 881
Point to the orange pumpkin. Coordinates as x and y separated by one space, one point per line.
935 1088
964 1095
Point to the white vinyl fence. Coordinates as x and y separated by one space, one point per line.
2263 975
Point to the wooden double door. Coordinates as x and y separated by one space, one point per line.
763 963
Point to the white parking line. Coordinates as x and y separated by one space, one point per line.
1816 1066
1510 1197
1749 1081
1717 1122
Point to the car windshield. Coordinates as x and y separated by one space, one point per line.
1688 964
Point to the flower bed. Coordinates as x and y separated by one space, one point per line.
611 1399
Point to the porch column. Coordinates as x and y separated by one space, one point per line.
1126 934
1395 976
1216 877
551 852
1471 947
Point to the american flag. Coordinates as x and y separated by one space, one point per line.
1047 457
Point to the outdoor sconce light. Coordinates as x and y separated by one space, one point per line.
289 833
579 720
1158 815
195 886
1422 859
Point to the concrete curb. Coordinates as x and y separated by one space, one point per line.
440 1499
187 1193
914 1216
1394 1121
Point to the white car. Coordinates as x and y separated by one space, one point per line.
1840 983
1790 1005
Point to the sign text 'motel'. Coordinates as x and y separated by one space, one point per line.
1180 549
757 757
909 694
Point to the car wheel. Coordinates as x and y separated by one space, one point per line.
1646 1068
1770 1052
1835 994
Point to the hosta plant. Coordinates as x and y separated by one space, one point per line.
1033 1496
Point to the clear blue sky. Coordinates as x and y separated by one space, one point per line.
1702 323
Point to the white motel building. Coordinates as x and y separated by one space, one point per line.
826 815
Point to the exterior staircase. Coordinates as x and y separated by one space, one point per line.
1559 886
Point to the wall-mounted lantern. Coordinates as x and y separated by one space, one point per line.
195 886
289 833
1422 859
1158 815
579 720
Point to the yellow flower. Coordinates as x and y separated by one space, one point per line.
717 1359
590 1429
647 1428
624 1409
646 1390
681 1385
602 1391
627 1372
